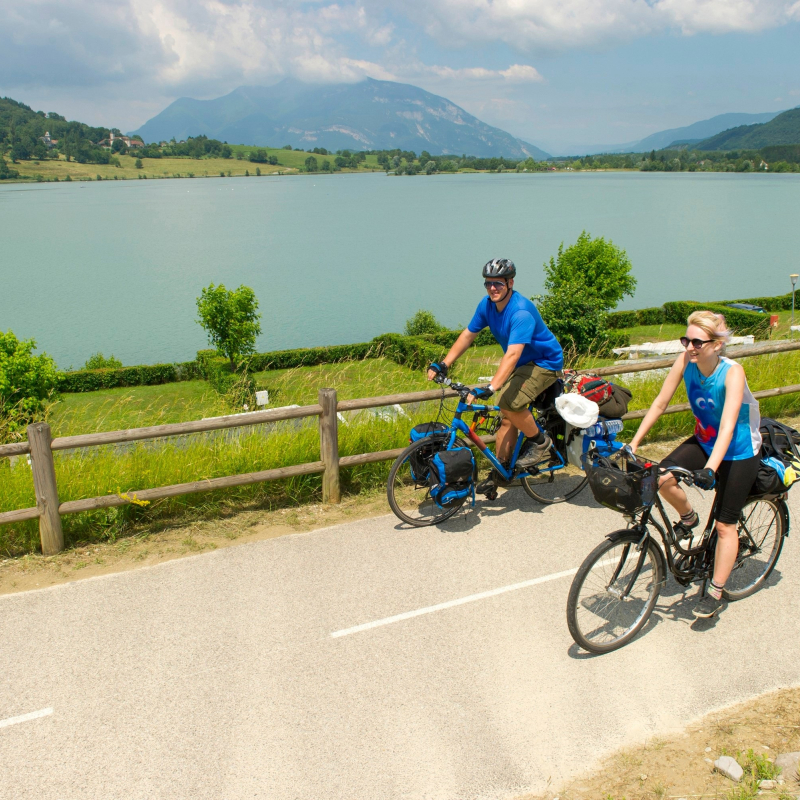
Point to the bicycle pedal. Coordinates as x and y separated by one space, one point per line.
491 495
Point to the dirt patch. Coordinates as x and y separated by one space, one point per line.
147 548
681 766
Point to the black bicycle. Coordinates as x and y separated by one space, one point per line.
616 588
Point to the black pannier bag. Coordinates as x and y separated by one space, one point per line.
452 475
419 460
767 481
622 485
616 406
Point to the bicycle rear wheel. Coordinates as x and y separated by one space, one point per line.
761 535
556 486
614 592
407 489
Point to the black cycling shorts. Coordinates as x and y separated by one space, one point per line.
735 479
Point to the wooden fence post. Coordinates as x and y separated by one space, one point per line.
44 484
329 446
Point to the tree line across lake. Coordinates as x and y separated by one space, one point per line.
27 135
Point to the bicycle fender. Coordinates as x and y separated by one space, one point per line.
636 538
785 513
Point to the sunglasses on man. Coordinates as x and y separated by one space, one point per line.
494 284
696 343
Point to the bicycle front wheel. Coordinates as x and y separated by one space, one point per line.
614 592
407 489
556 486
761 534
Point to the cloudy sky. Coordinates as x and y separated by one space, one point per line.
563 74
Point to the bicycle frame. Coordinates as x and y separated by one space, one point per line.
459 426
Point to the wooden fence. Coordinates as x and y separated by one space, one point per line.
41 446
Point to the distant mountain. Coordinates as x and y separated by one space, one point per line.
369 115
782 129
701 130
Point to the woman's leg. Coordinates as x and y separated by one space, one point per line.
688 455
725 554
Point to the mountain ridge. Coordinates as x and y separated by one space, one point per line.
368 115
784 128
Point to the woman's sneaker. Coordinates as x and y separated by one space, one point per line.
707 607
532 453
683 529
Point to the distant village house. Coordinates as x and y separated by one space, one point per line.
48 140
126 140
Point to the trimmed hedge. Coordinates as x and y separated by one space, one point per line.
630 319
414 352
782 302
311 356
741 322
92 380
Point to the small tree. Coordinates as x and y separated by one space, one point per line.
27 381
99 361
576 318
138 163
231 320
602 268
311 164
421 323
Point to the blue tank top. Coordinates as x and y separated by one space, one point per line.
707 399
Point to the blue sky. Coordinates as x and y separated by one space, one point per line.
566 75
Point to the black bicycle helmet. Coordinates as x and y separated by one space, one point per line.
499 268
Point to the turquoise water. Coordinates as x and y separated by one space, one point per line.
116 267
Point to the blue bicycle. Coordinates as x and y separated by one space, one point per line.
552 480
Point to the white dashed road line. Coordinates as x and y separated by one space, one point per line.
452 603
44 712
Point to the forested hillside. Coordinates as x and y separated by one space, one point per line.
783 129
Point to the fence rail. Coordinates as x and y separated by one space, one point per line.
40 447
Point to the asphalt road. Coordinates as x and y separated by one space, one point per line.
243 673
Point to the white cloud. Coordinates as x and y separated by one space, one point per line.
516 73
567 24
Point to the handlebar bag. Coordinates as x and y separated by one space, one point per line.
626 488
452 475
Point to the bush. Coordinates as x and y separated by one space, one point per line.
576 317
311 356
99 361
414 352
27 381
622 319
421 323
92 380
231 320
782 302
602 268
740 322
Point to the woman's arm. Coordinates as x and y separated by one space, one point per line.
734 394
666 394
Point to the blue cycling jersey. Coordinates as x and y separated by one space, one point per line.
520 323
707 399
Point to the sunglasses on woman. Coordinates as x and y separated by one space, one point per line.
696 343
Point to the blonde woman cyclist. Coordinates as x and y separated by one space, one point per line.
725 448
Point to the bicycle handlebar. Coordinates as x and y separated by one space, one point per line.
681 474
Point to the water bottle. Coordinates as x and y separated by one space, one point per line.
601 429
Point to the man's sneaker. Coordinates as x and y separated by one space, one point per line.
707 607
532 453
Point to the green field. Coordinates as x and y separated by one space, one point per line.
289 162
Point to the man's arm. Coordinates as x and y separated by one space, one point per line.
461 345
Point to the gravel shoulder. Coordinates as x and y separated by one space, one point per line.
681 765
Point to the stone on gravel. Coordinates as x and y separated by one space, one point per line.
766 784
729 768
789 764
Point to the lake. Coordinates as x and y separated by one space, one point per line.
116 266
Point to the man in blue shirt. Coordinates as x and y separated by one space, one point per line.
533 360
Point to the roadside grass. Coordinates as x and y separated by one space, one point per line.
128 468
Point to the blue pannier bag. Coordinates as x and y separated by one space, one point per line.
426 429
420 460
452 476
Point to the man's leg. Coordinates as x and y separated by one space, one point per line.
513 423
